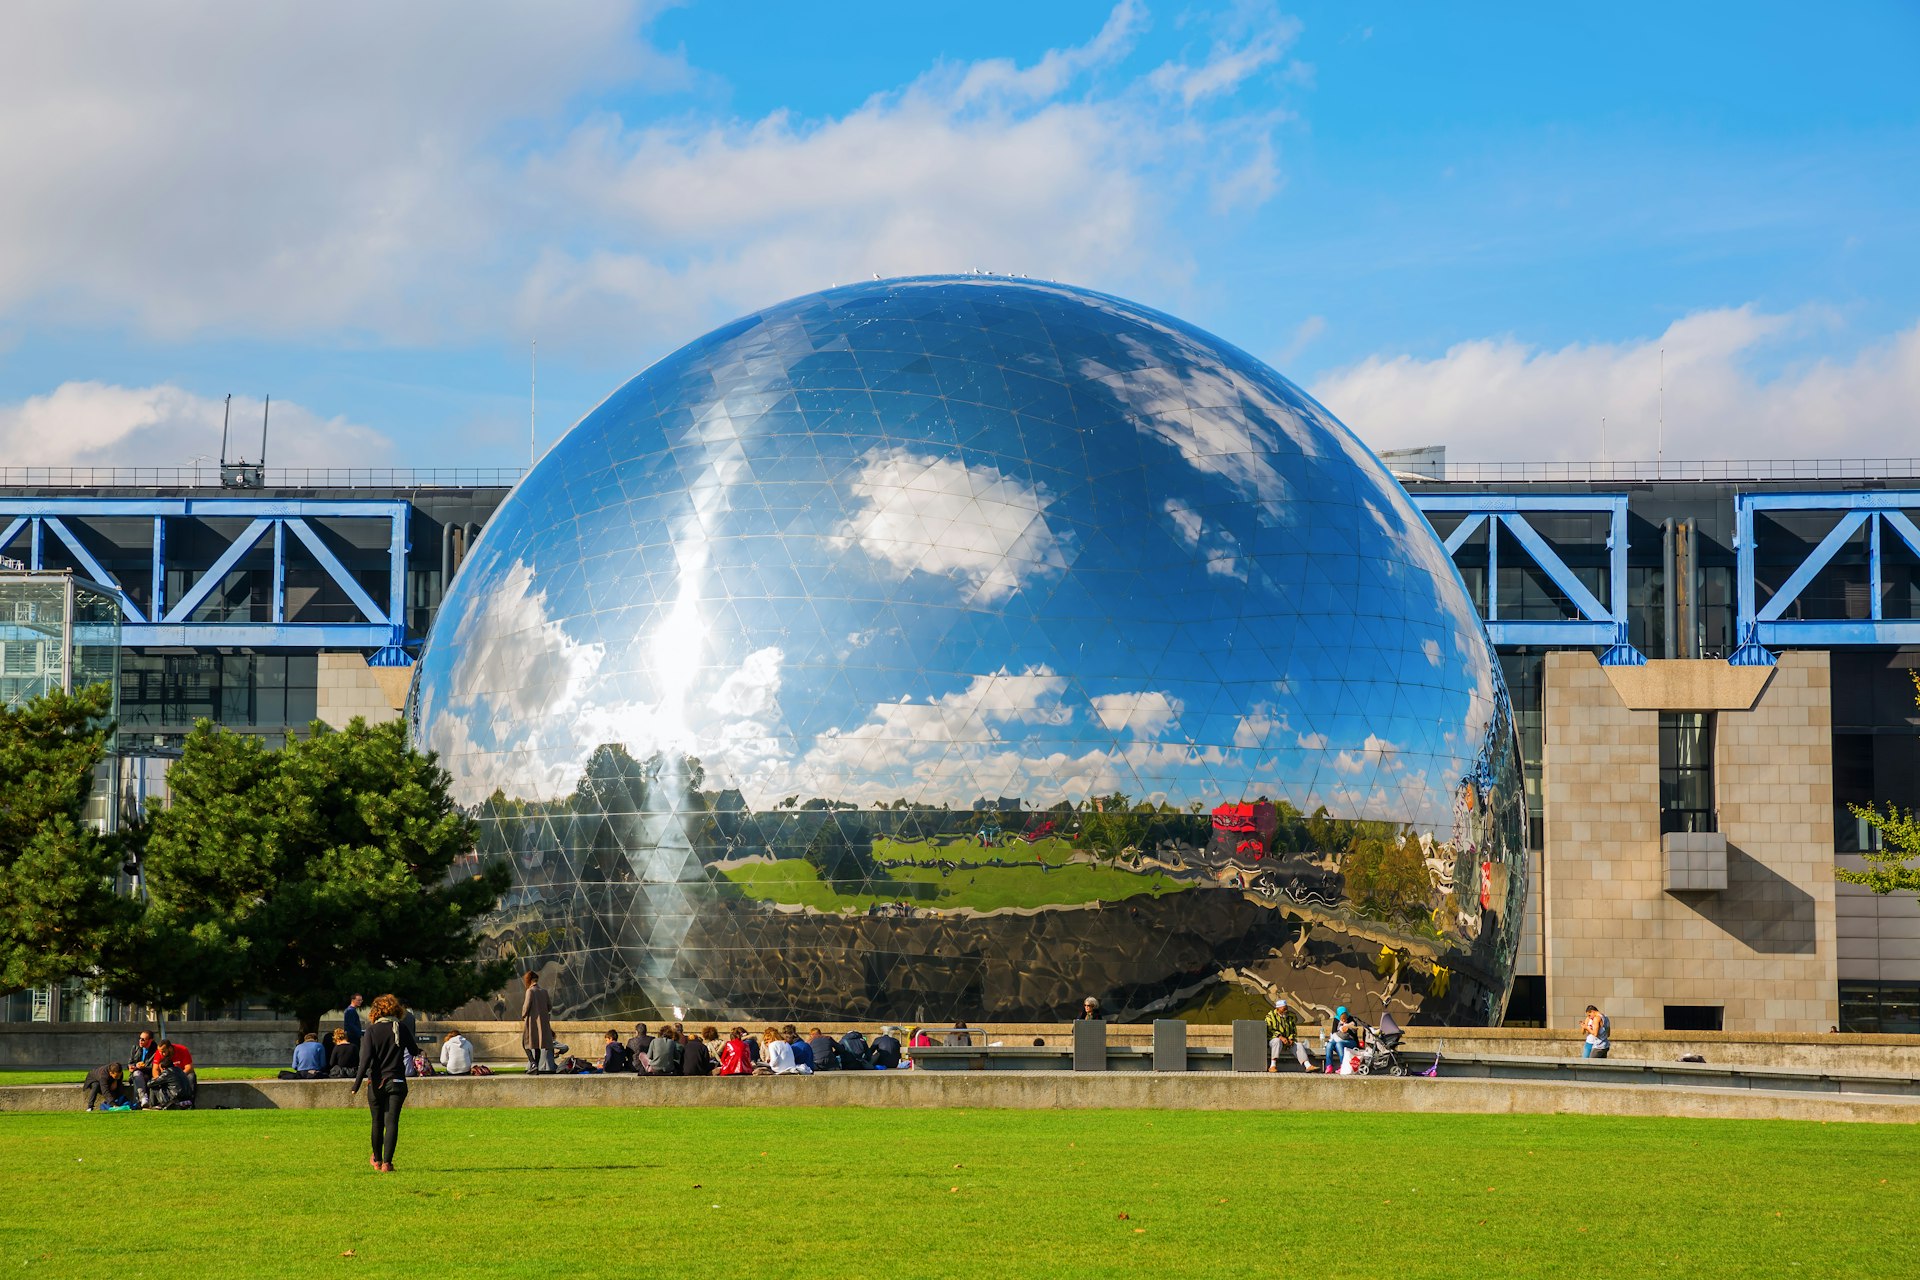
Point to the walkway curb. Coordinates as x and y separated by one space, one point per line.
1044 1090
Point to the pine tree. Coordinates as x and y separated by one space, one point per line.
58 908
336 864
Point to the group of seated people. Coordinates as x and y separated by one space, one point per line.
1346 1044
672 1050
338 1059
158 1075
335 1058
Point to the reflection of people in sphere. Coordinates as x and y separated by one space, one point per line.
1089 1010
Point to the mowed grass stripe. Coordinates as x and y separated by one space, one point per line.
541 1192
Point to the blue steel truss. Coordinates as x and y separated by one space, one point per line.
1762 629
1597 624
164 622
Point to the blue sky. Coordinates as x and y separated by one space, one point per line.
1474 227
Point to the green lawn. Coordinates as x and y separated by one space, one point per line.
567 1193
75 1075
793 881
1049 849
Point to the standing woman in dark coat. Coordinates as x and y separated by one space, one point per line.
536 1025
384 1051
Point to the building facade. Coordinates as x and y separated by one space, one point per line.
1684 817
1710 664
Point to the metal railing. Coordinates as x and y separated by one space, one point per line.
1697 469
207 476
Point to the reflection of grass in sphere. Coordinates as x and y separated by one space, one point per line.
797 883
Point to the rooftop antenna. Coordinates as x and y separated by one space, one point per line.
239 473
1660 449
1603 437
533 407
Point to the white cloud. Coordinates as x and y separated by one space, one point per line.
453 171
1432 649
1252 41
1257 725
1375 751
927 514
751 690
1312 741
1220 549
515 658
81 424
1501 399
282 167
1144 714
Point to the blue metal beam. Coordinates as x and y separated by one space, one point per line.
1464 530
338 572
95 569
1836 634
384 632
257 635
1760 627
1810 567
183 611
1551 635
1598 624
1556 569
206 508
1504 502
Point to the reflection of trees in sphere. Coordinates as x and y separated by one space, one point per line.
958 647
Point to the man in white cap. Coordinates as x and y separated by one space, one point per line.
1283 1033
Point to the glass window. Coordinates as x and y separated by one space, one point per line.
1686 771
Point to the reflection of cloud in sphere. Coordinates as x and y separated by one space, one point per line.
955 647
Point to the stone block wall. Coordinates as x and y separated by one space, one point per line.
348 687
1764 947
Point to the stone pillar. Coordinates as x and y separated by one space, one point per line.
1089 1045
1169 1045
1249 1045
1763 948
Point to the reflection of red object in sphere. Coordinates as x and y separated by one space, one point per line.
1250 845
1486 885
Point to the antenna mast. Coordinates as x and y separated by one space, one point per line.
226 420
1660 451
533 407
265 409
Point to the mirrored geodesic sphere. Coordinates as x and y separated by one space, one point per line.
960 648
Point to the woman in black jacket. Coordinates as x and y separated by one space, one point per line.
384 1051
343 1057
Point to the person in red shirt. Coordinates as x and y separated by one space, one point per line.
175 1053
734 1059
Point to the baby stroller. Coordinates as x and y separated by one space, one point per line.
1381 1056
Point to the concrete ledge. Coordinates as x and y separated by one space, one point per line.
85 1045
1683 684
1036 1090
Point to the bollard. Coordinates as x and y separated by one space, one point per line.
1089 1045
1249 1045
1169 1044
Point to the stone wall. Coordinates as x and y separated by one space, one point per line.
1764 947
270 1044
348 687
1051 1091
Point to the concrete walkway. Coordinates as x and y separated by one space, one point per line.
1037 1090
